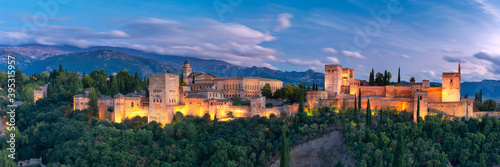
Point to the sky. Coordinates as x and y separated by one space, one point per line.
422 37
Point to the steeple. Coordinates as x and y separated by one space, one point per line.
186 62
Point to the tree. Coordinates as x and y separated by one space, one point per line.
489 105
482 162
266 91
389 76
418 109
317 87
399 153
399 75
181 80
93 110
412 80
359 99
372 77
466 96
301 105
355 106
380 79
285 149
368 114
193 78
343 104
481 96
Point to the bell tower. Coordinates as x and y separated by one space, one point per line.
186 69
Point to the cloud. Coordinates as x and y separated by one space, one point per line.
489 8
452 59
202 38
270 66
404 56
332 60
284 21
329 50
353 55
312 64
492 58
447 50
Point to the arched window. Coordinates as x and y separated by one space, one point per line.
132 104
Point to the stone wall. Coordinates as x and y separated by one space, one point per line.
489 113
434 93
448 108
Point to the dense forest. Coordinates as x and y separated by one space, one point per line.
63 137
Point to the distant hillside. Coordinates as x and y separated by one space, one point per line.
87 61
491 89
217 67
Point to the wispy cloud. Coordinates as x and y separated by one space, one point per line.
492 58
353 55
329 50
452 59
284 21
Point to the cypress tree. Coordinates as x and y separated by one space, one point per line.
359 100
368 114
355 106
93 110
372 77
181 79
193 79
481 96
399 152
313 87
386 78
381 113
343 105
466 95
482 162
418 109
399 75
285 149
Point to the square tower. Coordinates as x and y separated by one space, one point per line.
333 79
163 92
451 87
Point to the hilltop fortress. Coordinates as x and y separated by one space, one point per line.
340 84
209 94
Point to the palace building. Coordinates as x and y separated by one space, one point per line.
207 94
340 84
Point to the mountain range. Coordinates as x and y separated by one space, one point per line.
36 58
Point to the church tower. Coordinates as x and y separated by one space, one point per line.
186 69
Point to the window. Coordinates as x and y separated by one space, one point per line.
132 104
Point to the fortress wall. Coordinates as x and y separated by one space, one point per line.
403 91
434 93
383 102
313 98
448 108
489 113
372 90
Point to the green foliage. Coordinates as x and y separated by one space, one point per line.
368 114
372 78
285 148
399 75
266 91
93 106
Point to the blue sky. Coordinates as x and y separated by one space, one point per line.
424 38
